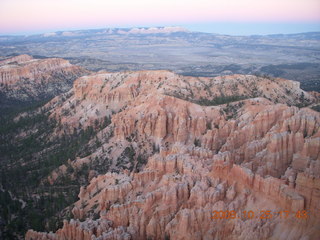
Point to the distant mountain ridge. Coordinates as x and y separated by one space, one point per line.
290 56
83 32
154 30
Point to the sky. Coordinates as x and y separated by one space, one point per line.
235 17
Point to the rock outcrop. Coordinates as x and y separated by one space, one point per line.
23 78
247 169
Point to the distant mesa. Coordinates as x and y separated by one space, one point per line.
50 34
146 30
156 30
136 30
69 34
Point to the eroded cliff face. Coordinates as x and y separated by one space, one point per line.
24 78
96 96
249 155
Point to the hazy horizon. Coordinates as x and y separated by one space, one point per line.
235 17
229 28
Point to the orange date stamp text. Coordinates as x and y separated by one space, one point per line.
263 214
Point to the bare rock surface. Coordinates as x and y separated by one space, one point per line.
25 78
257 154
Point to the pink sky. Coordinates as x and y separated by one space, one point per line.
42 15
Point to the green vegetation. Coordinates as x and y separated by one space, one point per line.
316 108
197 142
28 154
141 161
126 157
231 110
10 107
304 102
220 100
211 102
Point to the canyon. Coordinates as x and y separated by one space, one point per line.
170 150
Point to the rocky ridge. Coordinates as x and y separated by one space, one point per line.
255 154
23 78
109 93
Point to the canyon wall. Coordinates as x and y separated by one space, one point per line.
257 154
25 78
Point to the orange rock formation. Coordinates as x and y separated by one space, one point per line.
258 154
22 77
